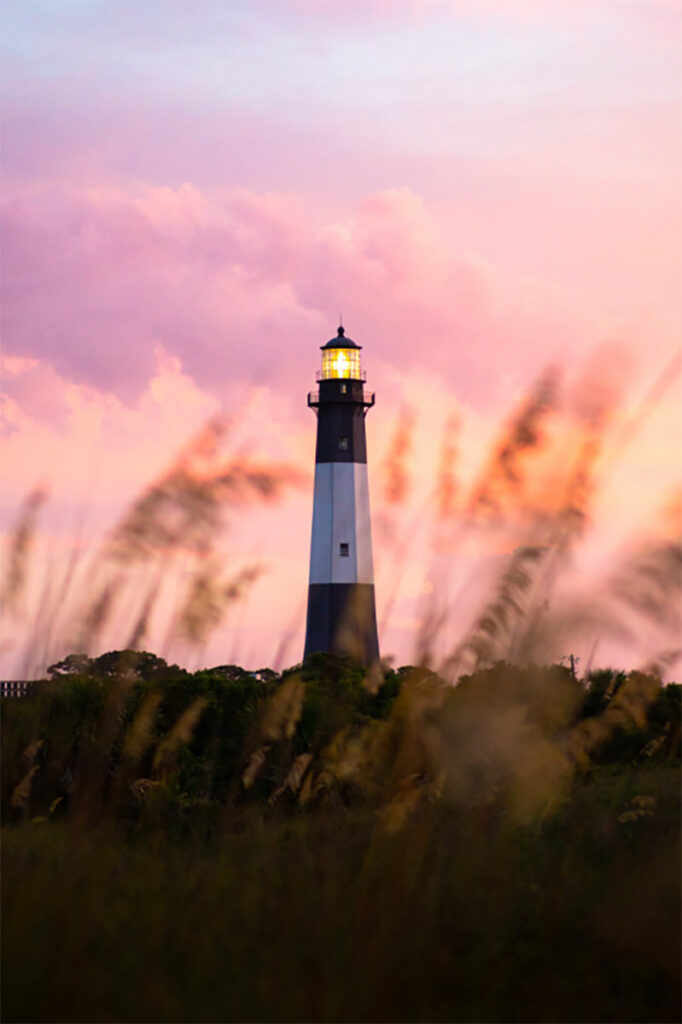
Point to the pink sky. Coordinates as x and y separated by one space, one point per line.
193 192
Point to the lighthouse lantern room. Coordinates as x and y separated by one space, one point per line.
341 610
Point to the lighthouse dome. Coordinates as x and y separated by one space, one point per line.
340 341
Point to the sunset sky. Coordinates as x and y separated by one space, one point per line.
194 191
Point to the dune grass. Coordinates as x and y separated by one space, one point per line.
504 850
459 916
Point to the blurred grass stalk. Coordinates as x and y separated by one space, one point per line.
167 535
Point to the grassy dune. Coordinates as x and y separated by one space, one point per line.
405 873
325 917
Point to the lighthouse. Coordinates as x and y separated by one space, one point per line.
341 610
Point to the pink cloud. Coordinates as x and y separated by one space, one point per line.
94 280
243 287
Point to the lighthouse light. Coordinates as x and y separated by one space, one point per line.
341 363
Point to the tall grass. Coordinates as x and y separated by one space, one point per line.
456 917
165 543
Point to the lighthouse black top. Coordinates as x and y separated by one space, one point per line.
341 613
340 341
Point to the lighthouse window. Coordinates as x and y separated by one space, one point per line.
343 444
344 389
344 550
340 364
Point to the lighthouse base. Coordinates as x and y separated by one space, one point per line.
342 619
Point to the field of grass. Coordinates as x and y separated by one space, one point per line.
401 875
458 917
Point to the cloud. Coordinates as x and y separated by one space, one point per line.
95 280
87 444
243 287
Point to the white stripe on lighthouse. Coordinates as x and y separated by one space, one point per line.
363 525
341 516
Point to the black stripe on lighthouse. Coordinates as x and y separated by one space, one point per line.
341 422
341 608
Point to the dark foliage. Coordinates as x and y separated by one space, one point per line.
234 845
